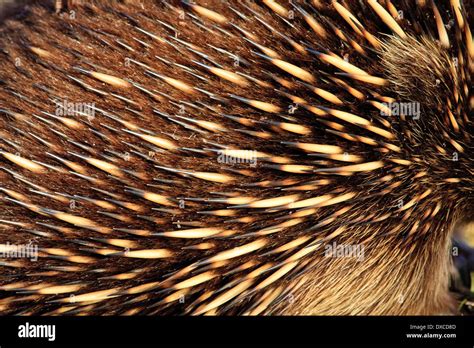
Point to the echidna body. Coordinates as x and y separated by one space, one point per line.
224 146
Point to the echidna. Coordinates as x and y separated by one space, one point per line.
202 157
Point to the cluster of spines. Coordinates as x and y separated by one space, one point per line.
265 120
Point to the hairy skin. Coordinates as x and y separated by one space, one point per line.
148 204
386 283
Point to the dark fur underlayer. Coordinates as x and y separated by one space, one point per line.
108 195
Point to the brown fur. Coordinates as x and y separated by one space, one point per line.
406 260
